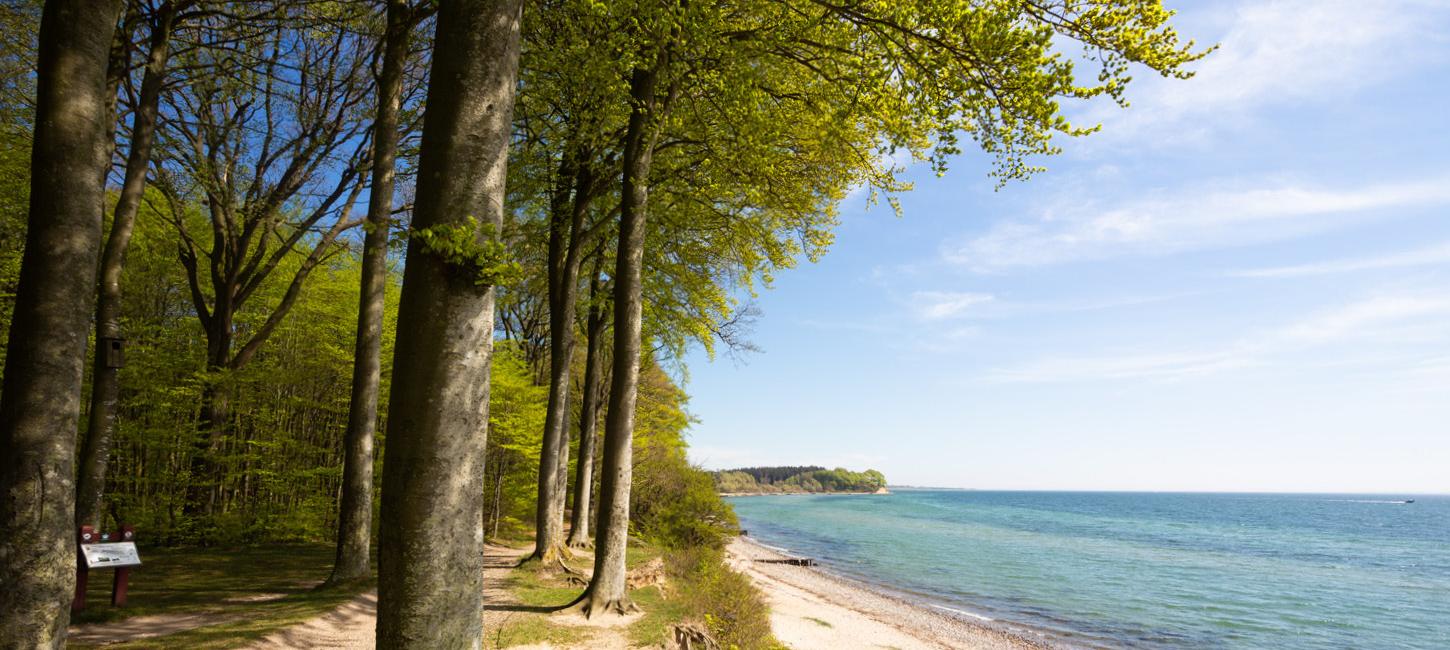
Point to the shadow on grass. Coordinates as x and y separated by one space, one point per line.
235 594
533 609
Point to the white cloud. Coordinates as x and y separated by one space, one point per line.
1438 254
1284 52
1189 219
1360 318
1367 322
942 305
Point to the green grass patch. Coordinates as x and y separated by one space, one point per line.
639 552
539 589
224 583
527 628
653 629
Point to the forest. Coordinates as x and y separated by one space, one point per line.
401 275
788 480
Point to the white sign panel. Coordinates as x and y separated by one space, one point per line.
106 556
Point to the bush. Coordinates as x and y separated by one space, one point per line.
676 505
725 601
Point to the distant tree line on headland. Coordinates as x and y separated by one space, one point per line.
802 479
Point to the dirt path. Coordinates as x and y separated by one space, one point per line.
605 632
137 628
353 625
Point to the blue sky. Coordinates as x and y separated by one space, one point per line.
1242 283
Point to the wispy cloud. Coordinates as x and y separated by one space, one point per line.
943 305
1370 321
1438 254
1195 218
1283 52
1359 319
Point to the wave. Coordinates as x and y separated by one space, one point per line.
958 611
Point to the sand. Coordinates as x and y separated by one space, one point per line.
811 608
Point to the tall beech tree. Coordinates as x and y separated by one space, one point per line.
160 20
274 152
825 90
648 105
580 181
40 401
569 120
430 587
355 505
590 402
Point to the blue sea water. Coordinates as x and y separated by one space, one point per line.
1144 570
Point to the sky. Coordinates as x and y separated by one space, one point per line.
1241 284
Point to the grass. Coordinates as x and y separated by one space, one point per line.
532 588
638 552
527 628
540 590
818 621
217 581
653 629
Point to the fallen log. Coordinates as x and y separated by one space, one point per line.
793 561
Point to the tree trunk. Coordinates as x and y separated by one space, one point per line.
40 402
606 590
101 424
214 419
354 522
430 571
566 241
588 416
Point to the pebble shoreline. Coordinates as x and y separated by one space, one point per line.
932 628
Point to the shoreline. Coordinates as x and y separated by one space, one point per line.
812 608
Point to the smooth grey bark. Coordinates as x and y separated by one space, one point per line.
430 562
101 419
355 507
606 591
566 243
40 401
589 405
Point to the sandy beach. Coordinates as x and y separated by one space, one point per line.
811 608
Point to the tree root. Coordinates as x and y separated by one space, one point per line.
548 556
588 606
555 564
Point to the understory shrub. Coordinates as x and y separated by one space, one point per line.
725 601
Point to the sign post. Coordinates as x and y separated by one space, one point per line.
100 551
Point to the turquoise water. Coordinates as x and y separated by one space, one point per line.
1144 570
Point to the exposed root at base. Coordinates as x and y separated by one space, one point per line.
589 607
584 545
549 557
556 564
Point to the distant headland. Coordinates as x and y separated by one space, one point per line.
798 480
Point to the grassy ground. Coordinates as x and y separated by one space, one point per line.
545 591
223 582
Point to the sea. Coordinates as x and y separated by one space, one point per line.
1142 570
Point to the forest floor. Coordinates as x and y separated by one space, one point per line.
209 598
268 599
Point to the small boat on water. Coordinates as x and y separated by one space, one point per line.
1409 501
